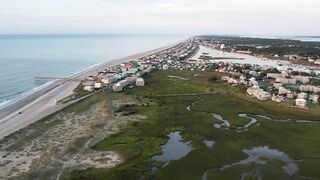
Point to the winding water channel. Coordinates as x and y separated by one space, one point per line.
225 124
175 148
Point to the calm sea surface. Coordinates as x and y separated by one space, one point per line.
24 57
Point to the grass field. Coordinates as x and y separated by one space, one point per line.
139 141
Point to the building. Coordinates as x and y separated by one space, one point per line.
252 91
302 96
274 75
309 88
283 91
165 67
263 95
97 85
140 82
118 87
277 75
258 93
314 98
286 80
88 88
302 79
301 102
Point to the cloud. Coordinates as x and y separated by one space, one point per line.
161 16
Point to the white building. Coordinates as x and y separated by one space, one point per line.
140 82
88 88
301 102
165 67
97 85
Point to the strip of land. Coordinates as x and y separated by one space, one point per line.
43 103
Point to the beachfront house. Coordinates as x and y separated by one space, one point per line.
119 86
301 103
263 95
140 82
97 85
88 88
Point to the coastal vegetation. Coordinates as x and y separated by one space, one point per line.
202 109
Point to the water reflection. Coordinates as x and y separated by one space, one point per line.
259 155
174 149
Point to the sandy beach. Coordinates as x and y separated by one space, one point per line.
43 102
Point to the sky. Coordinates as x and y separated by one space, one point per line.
194 17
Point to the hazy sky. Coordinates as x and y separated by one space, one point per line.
250 17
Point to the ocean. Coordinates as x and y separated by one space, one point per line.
23 57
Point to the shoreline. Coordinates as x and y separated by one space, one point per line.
284 63
43 102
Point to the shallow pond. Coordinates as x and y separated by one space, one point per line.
174 149
259 155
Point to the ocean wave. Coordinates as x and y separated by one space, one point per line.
8 97
18 96
12 98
